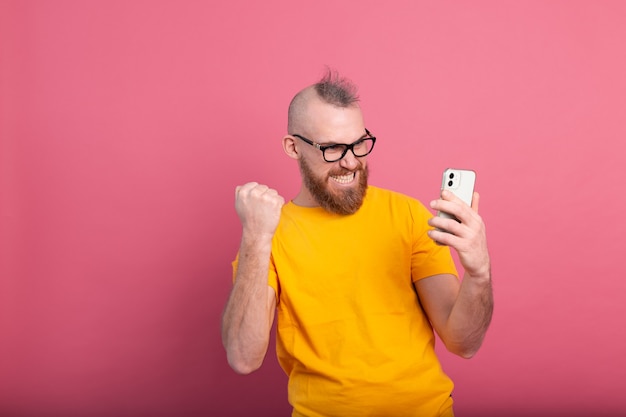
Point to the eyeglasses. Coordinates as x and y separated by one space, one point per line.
333 153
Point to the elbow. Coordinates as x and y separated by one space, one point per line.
242 366
244 358
464 350
467 353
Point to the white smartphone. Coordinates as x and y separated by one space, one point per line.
461 183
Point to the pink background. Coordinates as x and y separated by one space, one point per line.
126 125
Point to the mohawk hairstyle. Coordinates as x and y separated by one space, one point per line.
336 90
332 89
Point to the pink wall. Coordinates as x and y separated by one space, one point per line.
125 126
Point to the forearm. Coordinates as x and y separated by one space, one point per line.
470 316
249 312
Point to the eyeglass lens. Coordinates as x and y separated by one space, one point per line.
359 148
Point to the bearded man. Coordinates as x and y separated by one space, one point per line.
359 277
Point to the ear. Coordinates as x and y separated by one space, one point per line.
290 148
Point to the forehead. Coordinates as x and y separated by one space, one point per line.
330 123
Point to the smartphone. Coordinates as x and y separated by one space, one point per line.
461 183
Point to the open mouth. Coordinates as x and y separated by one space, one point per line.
344 179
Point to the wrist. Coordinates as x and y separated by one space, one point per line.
481 275
250 238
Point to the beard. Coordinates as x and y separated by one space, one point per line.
347 201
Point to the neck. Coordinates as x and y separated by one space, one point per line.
305 199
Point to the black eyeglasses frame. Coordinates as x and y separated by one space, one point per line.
347 148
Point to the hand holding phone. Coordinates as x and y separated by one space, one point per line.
468 237
461 183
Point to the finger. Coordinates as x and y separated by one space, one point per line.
443 238
237 191
475 201
271 191
450 196
450 226
242 192
246 186
260 188
454 208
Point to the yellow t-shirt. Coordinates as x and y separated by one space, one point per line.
351 334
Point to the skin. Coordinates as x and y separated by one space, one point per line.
327 124
460 311
249 312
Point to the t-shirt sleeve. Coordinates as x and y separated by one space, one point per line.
428 258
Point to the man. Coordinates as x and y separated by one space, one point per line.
359 276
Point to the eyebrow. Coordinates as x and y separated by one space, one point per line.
365 135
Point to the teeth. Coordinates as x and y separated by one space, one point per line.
343 179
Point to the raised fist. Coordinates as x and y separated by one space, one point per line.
258 208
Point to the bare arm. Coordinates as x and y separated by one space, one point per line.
460 312
249 312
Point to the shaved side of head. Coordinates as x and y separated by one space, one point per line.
332 89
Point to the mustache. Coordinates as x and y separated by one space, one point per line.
343 171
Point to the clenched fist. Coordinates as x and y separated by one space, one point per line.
258 208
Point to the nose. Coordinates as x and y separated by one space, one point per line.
349 161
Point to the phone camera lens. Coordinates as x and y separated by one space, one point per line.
451 175
450 183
